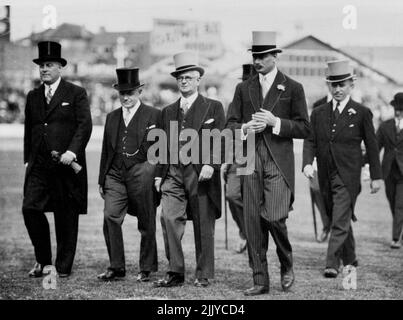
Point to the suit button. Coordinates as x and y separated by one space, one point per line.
125 131
333 130
124 148
334 125
45 124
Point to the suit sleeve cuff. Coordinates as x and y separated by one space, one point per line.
277 126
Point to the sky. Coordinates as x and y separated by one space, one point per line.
378 23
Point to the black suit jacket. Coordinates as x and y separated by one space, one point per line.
388 139
286 100
204 110
66 126
354 126
145 117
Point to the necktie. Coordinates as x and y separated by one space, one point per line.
49 95
336 112
184 106
126 118
265 87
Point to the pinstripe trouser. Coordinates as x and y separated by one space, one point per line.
266 199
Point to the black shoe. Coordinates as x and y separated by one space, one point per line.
111 274
202 282
172 279
36 271
256 290
287 280
143 276
330 273
63 275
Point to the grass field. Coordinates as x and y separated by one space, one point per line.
380 274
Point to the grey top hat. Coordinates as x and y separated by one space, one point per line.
264 42
339 70
186 61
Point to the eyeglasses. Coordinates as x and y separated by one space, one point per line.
187 79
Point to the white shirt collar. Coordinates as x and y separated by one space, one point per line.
329 97
54 86
133 110
342 105
268 77
189 99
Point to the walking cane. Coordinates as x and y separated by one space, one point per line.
224 202
224 207
314 214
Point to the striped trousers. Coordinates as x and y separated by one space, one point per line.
266 199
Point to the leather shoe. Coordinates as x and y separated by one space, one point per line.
395 245
111 274
287 279
143 276
256 290
330 273
202 282
63 275
172 279
36 271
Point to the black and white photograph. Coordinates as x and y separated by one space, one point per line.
201 154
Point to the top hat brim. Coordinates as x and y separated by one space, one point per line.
127 86
190 68
329 79
57 59
274 50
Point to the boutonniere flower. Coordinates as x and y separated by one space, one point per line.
351 111
280 87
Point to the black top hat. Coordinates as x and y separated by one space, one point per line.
49 51
128 79
397 101
248 71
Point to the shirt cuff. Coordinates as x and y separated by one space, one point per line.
157 178
277 126
73 154
243 135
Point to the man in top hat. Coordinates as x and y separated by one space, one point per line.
316 195
126 178
390 138
271 106
58 122
337 130
189 191
233 191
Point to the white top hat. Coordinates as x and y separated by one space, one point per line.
339 70
186 61
264 42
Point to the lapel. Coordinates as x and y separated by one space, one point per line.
40 101
391 131
57 97
172 115
274 94
139 121
344 117
255 92
327 118
199 109
114 126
